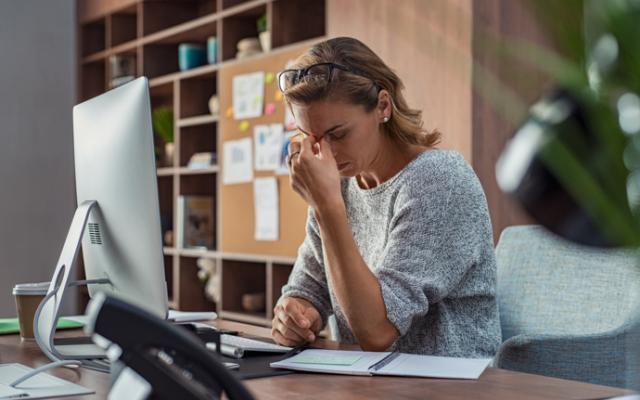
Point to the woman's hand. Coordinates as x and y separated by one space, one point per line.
295 322
314 173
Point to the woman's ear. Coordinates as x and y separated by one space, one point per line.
384 107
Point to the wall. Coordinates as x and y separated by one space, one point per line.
436 47
428 44
37 92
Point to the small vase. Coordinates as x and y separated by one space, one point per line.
169 150
265 41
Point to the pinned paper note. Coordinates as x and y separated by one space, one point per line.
268 145
228 112
283 168
269 77
278 96
270 108
265 200
237 162
289 119
244 126
248 95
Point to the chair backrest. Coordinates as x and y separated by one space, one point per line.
547 285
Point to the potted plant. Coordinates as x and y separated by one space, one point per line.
162 118
263 33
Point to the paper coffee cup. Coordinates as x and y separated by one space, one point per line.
28 297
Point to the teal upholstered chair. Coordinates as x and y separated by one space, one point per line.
568 311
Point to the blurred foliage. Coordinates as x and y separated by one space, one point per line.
162 118
593 150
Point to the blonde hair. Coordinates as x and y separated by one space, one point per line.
361 86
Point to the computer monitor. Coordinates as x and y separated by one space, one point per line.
118 205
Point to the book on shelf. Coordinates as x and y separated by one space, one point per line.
122 69
195 222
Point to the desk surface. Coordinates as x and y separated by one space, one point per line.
493 384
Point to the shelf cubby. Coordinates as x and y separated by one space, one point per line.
239 26
279 277
93 37
159 59
307 21
165 196
197 139
93 79
195 93
161 15
122 26
190 288
239 278
161 95
168 275
197 185
232 3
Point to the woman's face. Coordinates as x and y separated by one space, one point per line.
351 132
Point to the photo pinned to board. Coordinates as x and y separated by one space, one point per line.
288 137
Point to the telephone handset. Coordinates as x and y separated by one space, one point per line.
174 362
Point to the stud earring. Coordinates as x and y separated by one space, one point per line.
385 119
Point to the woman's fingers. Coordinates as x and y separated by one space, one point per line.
288 322
289 332
281 340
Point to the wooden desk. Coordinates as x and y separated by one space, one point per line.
493 384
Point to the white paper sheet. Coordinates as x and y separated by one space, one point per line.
41 386
237 165
283 168
268 146
191 316
248 95
265 200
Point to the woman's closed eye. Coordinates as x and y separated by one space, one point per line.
333 136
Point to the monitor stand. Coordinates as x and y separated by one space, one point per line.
48 312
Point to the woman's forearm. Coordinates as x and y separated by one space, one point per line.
356 287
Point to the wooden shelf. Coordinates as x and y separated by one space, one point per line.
198 120
198 253
250 318
170 251
166 171
201 171
152 31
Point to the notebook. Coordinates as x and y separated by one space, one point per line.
41 386
384 363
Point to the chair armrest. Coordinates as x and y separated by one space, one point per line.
598 358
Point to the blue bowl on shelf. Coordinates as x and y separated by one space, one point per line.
191 55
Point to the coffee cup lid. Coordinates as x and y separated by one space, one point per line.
39 288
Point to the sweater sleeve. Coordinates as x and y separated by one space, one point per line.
433 242
308 279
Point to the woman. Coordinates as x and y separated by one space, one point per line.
398 240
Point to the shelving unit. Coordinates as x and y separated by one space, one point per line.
152 31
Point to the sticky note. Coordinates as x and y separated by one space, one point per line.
244 126
270 108
229 112
278 96
268 78
346 359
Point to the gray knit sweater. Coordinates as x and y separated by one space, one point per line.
426 235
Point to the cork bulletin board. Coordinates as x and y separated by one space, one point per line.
237 215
